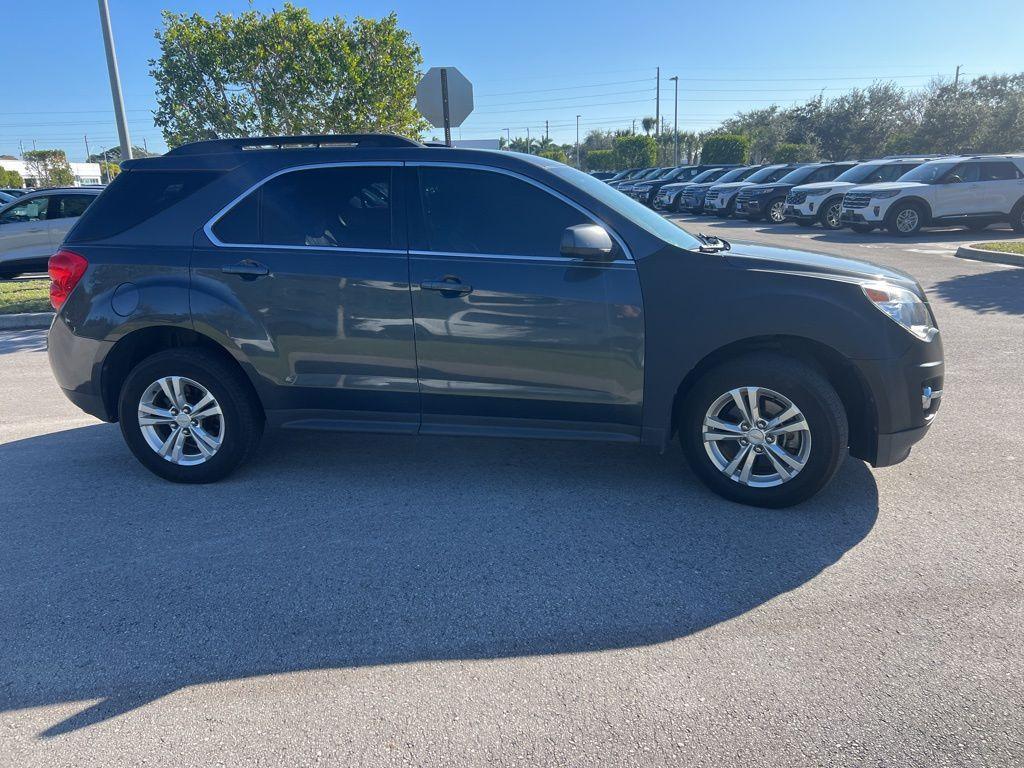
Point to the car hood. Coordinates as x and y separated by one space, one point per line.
731 185
675 185
806 263
899 185
823 185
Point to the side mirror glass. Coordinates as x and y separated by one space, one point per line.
588 241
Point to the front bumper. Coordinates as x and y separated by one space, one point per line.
693 201
748 205
805 210
871 214
906 393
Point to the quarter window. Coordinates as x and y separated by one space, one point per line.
331 207
470 211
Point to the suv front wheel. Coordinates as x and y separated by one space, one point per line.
764 429
188 416
905 219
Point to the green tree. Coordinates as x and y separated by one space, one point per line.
282 73
648 124
633 151
600 160
49 167
109 171
793 153
11 179
113 155
725 148
555 153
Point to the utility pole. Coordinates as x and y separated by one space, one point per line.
21 146
675 126
634 126
145 146
115 82
546 138
578 142
87 153
657 104
956 79
527 139
508 137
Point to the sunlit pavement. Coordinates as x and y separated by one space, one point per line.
382 600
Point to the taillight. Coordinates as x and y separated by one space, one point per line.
66 269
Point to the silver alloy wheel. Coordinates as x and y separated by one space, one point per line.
756 437
832 215
907 220
777 211
181 420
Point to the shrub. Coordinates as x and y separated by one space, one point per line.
725 149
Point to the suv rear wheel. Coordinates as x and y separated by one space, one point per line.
906 219
188 416
1017 217
765 430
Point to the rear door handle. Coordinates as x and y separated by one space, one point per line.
246 268
449 286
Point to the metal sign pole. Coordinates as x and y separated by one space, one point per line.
444 106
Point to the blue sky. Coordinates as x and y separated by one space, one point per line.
534 61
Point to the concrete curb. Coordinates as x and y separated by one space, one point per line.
25 320
997 257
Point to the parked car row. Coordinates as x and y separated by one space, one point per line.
32 226
901 194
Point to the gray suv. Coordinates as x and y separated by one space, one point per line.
371 283
33 226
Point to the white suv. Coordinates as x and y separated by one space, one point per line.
972 191
822 202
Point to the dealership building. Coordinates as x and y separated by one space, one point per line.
85 173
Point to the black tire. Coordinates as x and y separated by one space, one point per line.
862 229
1017 217
730 209
242 414
894 214
823 214
806 388
775 210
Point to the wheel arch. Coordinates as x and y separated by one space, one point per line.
134 347
920 202
853 391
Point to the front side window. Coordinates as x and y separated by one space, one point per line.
331 207
470 211
965 173
30 210
999 171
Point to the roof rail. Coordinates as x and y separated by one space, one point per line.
216 146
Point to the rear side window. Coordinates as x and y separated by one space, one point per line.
135 196
69 206
999 172
333 207
470 211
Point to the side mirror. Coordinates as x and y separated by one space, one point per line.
588 241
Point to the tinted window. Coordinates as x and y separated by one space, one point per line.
135 196
468 211
999 172
69 206
827 173
30 210
336 207
776 175
736 174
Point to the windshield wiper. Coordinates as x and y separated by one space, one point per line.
711 244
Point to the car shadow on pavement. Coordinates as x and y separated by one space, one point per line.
22 341
1000 291
341 551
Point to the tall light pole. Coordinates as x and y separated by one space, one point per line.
508 136
578 142
675 126
657 104
115 83
527 139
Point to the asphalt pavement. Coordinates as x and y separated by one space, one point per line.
390 600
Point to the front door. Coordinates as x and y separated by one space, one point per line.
308 277
961 192
25 233
511 336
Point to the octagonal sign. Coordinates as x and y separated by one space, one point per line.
430 100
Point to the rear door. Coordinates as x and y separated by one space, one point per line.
1002 185
511 336
308 275
63 212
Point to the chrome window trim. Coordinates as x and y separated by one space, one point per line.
208 227
513 257
539 185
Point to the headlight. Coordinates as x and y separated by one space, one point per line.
766 191
818 192
903 306
885 194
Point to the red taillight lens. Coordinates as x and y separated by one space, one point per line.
66 269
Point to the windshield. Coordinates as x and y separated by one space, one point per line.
766 174
859 173
929 173
736 174
636 212
707 175
5 198
619 175
797 175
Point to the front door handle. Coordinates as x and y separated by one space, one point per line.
449 286
246 268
